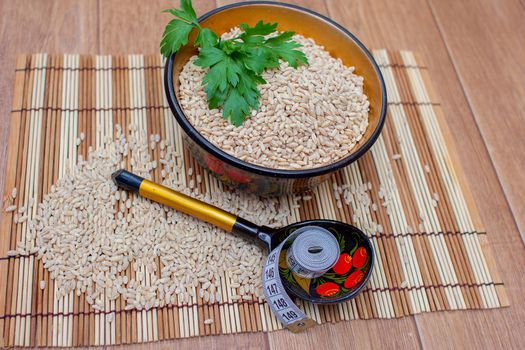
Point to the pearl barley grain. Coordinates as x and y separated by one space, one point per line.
309 117
139 233
10 208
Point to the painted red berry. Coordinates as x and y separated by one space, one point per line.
354 279
359 258
327 289
214 164
343 264
237 176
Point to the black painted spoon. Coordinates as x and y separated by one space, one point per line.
351 239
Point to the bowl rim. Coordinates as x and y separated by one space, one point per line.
254 168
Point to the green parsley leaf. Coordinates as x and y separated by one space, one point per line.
181 14
175 35
209 56
262 53
256 60
286 51
206 38
223 73
236 108
233 72
248 88
177 31
240 62
215 79
260 28
186 6
186 12
217 99
280 38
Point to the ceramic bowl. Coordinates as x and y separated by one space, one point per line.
336 40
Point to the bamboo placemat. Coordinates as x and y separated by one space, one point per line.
432 251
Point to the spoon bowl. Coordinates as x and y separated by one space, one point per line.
350 239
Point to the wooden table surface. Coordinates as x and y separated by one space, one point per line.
476 54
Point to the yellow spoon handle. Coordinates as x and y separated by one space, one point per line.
187 205
174 199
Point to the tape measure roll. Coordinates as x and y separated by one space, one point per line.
313 252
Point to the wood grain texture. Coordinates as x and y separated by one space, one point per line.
124 27
41 26
359 334
485 42
384 24
233 341
316 5
471 96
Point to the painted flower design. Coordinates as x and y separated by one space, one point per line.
327 289
343 264
359 257
354 279
214 164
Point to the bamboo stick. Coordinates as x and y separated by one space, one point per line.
450 275
82 96
51 88
18 264
26 263
156 98
35 194
153 115
49 294
173 315
113 314
28 273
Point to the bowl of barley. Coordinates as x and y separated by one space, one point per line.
312 121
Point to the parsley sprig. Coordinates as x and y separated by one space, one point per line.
235 66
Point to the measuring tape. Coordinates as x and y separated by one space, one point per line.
313 252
